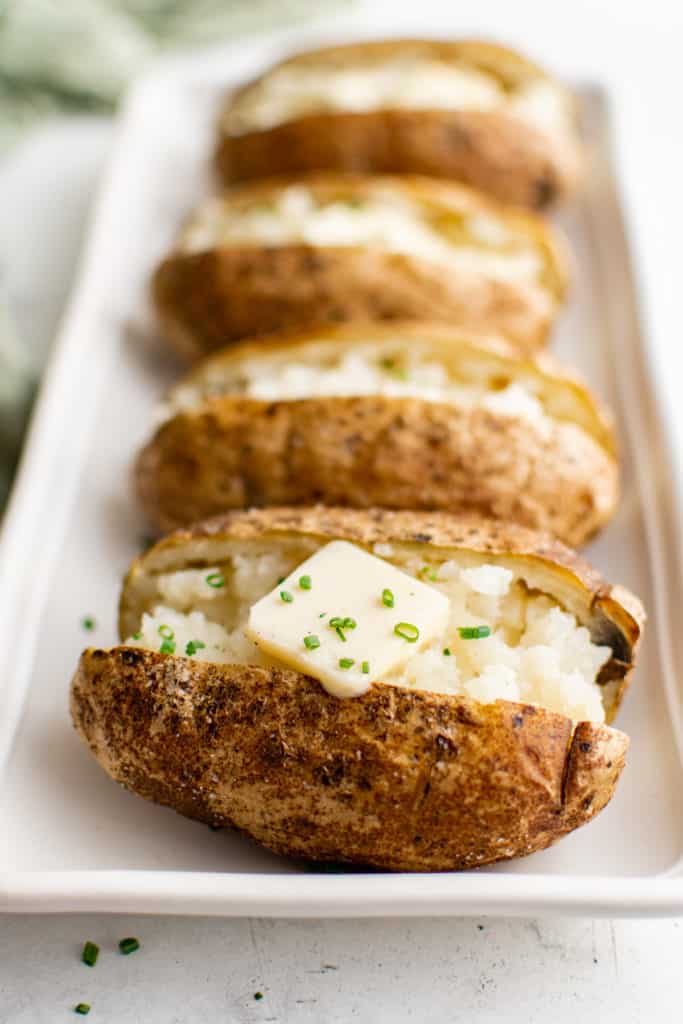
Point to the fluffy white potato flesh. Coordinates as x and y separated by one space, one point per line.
502 640
359 371
386 219
400 83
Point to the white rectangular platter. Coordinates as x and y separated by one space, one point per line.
70 839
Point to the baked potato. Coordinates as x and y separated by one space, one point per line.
407 415
471 111
283 253
491 747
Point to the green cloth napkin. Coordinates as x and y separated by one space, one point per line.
78 55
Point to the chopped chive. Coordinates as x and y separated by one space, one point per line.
82 1008
305 583
346 662
166 632
390 366
146 542
138 635
193 646
281 580
338 624
447 651
474 632
428 572
215 580
349 623
286 596
407 631
258 995
167 647
128 946
365 667
90 953
88 623
311 642
387 599
322 615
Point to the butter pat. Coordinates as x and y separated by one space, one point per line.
343 583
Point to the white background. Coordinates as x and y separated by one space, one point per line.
459 970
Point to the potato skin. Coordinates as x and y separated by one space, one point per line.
397 779
376 451
449 345
207 299
491 150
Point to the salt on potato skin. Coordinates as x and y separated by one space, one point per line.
470 111
222 283
396 416
398 778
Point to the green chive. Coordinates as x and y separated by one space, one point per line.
281 580
82 1008
193 646
138 635
128 946
474 632
336 623
90 953
407 631
447 651
311 642
286 596
322 615
365 667
387 599
349 624
258 995
390 366
305 583
346 662
88 623
167 647
428 572
166 632
215 580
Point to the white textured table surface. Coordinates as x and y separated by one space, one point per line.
191 970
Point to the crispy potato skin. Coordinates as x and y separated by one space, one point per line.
208 299
401 780
616 616
491 150
376 451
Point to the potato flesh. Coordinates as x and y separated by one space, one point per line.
360 371
536 653
386 220
402 83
